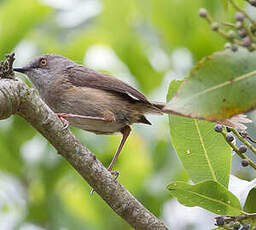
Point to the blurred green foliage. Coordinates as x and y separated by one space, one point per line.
56 196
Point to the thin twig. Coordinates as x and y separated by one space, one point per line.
228 24
243 12
245 135
241 155
222 32
243 140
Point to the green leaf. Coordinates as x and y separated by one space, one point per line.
209 195
218 87
202 151
250 204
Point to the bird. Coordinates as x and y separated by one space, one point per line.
89 100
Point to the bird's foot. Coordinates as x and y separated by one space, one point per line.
114 173
65 122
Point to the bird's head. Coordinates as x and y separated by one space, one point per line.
43 68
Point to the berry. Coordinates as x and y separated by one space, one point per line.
239 25
234 47
239 16
246 227
236 226
229 137
246 42
231 34
242 149
218 128
245 163
242 33
215 26
220 221
203 13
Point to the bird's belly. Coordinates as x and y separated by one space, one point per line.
98 127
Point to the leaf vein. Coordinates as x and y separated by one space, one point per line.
247 75
205 151
209 198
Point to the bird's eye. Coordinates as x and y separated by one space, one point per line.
43 62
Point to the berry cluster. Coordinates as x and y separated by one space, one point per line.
242 149
241 32
233 223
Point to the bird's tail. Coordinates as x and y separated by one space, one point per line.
155 107
159 105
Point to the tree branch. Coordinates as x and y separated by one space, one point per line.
17 98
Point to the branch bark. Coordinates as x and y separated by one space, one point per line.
17 98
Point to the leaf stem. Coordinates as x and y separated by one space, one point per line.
248 31
222 32
245 135
243 140
228 24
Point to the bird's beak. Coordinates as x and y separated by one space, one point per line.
21 69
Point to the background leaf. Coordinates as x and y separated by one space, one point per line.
250 204
202 151
175 22
209 195
218 87
225 4
16 20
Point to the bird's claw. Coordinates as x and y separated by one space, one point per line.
66 125
115 174
92 191
65 122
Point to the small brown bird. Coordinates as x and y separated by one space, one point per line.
89 100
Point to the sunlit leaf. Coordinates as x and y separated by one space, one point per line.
218 87
209 195
202 151
250 204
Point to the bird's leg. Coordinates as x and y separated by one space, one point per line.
64 116
70 115
125 131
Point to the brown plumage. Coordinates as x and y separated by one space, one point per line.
89 100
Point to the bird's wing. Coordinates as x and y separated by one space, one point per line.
82 76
